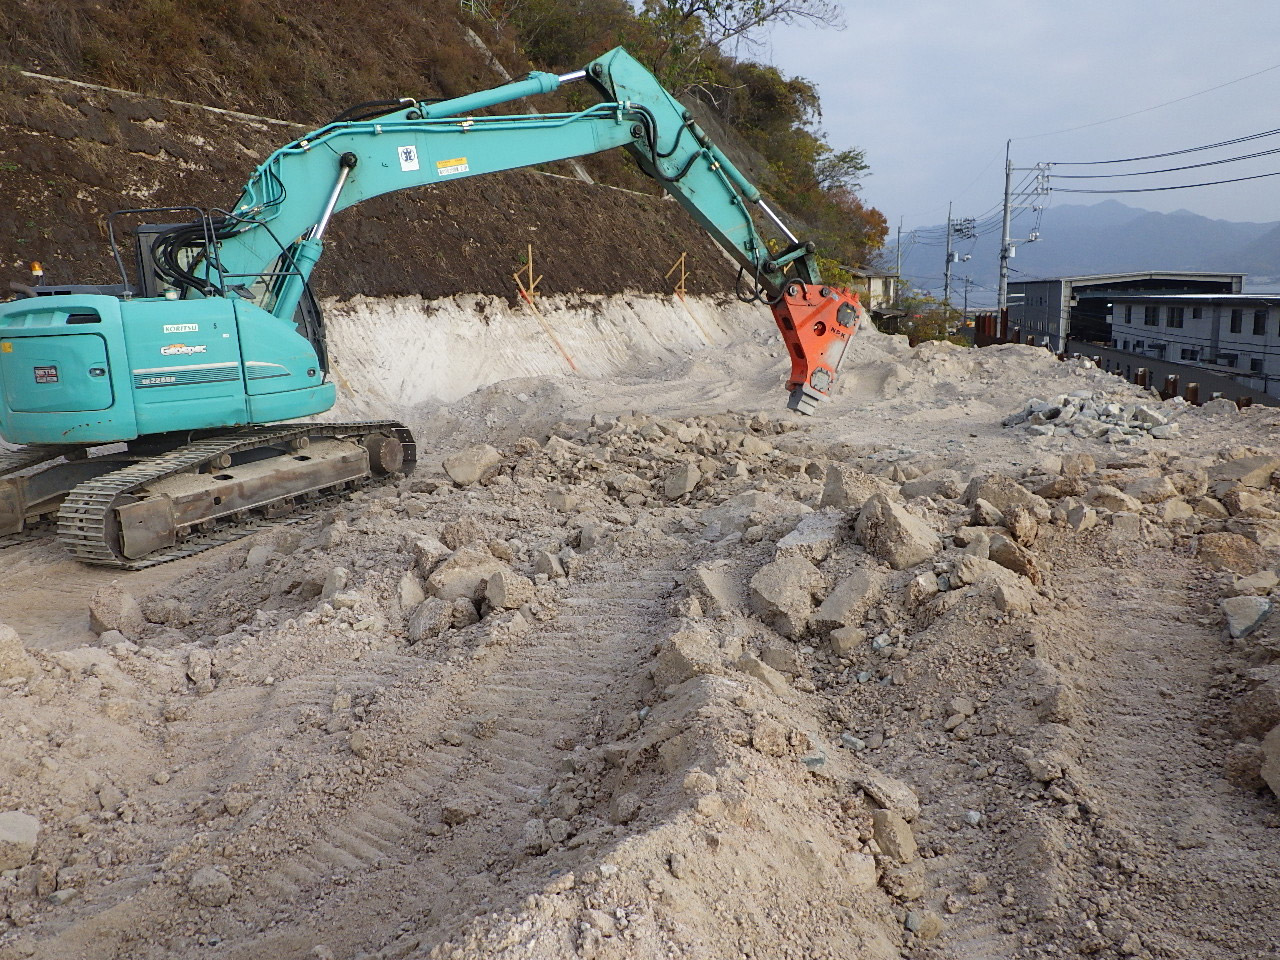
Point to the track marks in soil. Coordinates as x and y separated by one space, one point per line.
1154 754
507 715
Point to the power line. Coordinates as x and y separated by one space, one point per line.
1143 173
1171 153
1157 106
1182 186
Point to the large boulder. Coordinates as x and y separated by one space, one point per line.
894 535
1253 714
717 590
472 464
1231 551
739 512
464 574
1151 489
815 536
782 593
18 835
683 655
936 483
508 590
681 480
1112 498
1271 760
1251 471
1245 613
14 661
849 488
848 603
432 617
113 608
1002 493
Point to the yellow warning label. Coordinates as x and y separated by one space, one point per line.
6 347
457 165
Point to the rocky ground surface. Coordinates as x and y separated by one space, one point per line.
641 667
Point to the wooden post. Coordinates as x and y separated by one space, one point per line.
1140 378
528 292
1193 393
1170 386
680 287
680 291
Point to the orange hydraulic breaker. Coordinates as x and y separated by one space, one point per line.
816 323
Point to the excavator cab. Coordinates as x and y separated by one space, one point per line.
92 364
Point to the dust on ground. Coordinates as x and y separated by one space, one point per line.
639 665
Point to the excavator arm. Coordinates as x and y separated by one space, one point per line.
272 238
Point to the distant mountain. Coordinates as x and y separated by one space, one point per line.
1107 237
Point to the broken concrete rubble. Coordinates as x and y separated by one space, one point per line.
1096 416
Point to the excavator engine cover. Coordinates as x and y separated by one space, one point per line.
816 323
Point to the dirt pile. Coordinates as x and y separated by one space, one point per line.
622 674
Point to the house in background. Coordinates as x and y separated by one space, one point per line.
1233 335
1079 308
877 290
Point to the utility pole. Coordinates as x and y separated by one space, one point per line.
946 272
1003 300
964 229
965 313
900 250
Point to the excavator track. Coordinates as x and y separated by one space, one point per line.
15 462
89 529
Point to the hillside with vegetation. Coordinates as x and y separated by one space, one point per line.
306 63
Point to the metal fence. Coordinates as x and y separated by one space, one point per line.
1165 374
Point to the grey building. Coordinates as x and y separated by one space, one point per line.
1079 308
1235 335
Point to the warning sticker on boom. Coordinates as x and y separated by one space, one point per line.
408 158
456 165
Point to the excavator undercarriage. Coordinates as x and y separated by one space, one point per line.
149 503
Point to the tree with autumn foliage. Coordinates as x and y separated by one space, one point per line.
688 44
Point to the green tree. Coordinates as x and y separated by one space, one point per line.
928 318
843 169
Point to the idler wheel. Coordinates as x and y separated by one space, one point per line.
386 454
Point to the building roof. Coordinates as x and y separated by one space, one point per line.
1137 275
1202 297
871 273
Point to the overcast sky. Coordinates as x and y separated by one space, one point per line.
931 90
